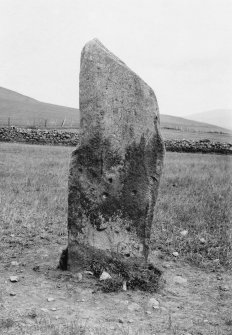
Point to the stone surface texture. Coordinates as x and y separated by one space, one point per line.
116 168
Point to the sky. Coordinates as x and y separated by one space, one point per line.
181 48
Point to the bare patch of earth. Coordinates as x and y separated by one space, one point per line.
190 301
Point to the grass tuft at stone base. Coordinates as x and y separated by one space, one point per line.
146 278
138 274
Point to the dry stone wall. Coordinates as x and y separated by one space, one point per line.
55 137
203 146
38 136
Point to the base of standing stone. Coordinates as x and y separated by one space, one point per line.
137 273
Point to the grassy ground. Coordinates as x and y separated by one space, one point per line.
172 134
192 217
33 192
195 195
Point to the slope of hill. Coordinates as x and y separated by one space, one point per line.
179 128
219 117
22 111
180 123
25 111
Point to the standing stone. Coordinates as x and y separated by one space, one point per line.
116 168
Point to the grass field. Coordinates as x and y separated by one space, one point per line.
172 134
195 195
192 217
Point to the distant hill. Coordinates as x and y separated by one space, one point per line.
19 110
174 127
180 123
218 117
24 111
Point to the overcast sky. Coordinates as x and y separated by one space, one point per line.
181 48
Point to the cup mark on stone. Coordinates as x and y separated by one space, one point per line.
154 178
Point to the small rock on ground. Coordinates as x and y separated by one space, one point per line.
50 299
105 275
184 232
14 279
153 303
180 280
175 253
124 286
88 273
44 309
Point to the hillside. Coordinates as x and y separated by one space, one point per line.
219 117
25 111
179 128
180 123
19 110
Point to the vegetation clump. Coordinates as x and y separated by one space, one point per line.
138 276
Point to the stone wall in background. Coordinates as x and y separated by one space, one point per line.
37 136
55 137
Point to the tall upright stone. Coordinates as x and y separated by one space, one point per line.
116 168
